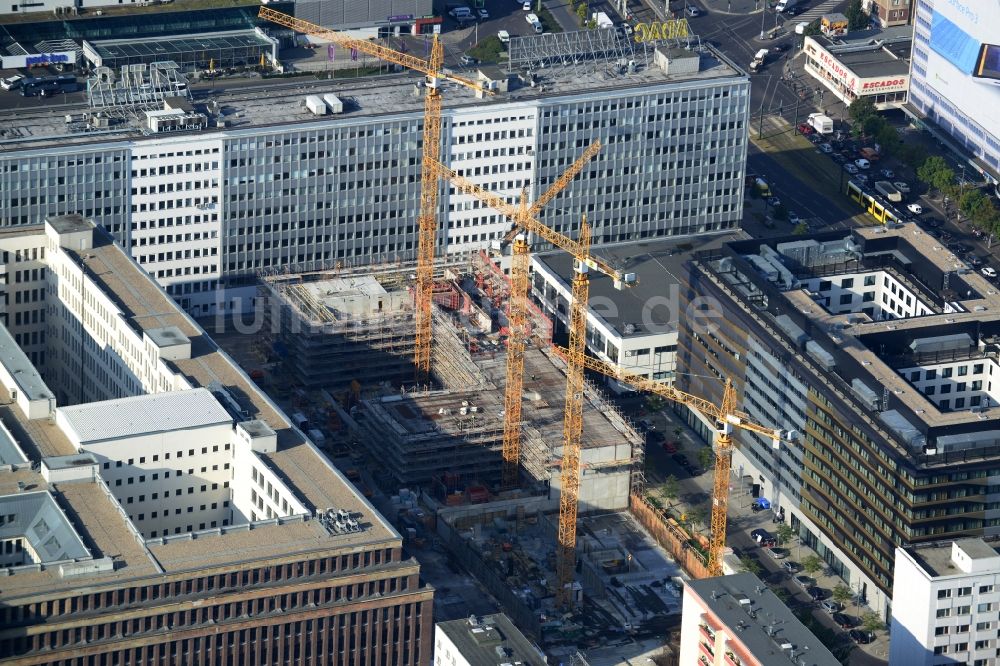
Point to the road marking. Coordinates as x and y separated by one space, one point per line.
816 12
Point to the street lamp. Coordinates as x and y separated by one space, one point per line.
763 13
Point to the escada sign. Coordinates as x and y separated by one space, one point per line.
884 84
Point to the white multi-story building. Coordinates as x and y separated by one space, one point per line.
276 187
483 640
737 621
946 604
633 328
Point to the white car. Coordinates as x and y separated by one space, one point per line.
11 82
915 208
988 271
850 168
504 37
902 187
693 11
526 5
793 217
862 163
483 14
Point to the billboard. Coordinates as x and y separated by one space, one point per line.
963 62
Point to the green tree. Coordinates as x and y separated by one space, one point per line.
870 621
697 515
857 17
582 11
861 109
812 564
671 489
812 29
706 457
782 594
751 565
801 229
784 533
841 594
971 202
888 138
912 155
936 174
678 431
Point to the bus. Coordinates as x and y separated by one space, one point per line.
880 211
48 85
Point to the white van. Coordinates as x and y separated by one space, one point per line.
460 13
11 82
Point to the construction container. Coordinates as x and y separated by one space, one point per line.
316 104
478 494
335 104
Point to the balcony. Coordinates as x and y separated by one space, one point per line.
706 632
707 651
732 659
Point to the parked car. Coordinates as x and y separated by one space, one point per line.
780 48
825 148
789 566
670 447
862 163
915 208
526 5
817 593
468 60
988 271
793 217
843 621
974 261
504 37
831 606
850 168
777 553
680 459
859 636
693 11
483 13
773 202
805 582
759 533
901 186
805 130
888 174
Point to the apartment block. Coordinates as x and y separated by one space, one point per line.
737 621
271 187
876 351
179 517
483 640
946 604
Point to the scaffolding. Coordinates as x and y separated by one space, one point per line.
621 54
135 89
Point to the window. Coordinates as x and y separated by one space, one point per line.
869 280
846 299
944 594
847 283
985 589
943 612
985 608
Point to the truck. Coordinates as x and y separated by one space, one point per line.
758 60
785 5
763 188
821 123
533 21
602 20
889 191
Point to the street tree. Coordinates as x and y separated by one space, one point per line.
706 457
671 489
697 515
784 533
870 621
582 12
841 594
861 109
812 564
857 17
935 173
801 229
751 565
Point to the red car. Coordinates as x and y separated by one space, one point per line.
670 447
805 130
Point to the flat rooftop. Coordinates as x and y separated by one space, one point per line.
18 366
877 62
144 414
935 558
167 47
726 597
659 266
283 103
490 640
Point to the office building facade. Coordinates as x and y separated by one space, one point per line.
874 355
955 78
210 211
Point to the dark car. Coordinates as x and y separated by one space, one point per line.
680 459
816 593
780 48
974 261
863 637
670 447
759 534
693 470
843 621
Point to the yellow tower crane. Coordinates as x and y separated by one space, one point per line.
433 69
525 221
725 417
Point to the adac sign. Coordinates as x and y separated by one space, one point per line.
45 59
651 32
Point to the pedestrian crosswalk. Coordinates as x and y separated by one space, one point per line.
814 13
